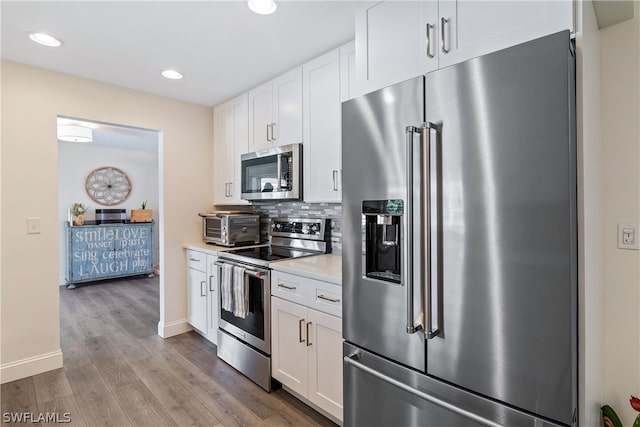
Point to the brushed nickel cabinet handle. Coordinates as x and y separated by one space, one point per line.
326 298
273 131
300 323
428 40
308 336
203 292
268 138
443 22
291 288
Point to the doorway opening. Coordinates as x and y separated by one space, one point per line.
110 171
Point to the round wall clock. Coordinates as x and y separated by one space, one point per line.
108 186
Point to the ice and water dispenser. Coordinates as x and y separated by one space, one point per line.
382 239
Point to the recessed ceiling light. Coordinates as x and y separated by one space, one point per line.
45 39
172 74
263 7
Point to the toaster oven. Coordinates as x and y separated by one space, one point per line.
231 229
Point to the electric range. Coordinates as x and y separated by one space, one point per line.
290 238
244 340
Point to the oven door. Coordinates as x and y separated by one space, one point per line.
255 328
274 173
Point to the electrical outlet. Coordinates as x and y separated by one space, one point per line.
33 225
628 235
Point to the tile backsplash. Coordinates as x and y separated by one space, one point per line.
332 211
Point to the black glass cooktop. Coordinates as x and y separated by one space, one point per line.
266 254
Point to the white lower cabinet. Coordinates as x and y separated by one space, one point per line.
306 346
212 299
202 293
197 289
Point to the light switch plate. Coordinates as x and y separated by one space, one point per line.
33 225
628 236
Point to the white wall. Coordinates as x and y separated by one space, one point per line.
76 161
590 201
621 154
32 99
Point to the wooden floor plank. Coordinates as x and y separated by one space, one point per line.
142 407
51 385
19 398
181 404
113 368
63 406
214 396
98 405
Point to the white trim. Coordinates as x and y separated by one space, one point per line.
166 330
30 366
62 281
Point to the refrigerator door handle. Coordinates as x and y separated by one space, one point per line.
412 328
429 141
352 360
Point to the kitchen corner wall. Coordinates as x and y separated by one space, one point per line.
620 68
332 211
32 98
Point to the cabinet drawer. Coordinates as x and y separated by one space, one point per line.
327 298
316 294
197 260
289 287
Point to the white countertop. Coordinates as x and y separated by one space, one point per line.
321 267
214 249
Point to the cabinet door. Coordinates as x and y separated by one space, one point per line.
287 108
260 116
392 39
222 152
475 28
348 71
289 345
212 299
322 144
325 362
197 307
239 107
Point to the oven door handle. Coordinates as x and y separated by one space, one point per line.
249 271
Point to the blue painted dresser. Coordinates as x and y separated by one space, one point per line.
96 252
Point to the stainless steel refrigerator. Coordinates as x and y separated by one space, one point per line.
460 244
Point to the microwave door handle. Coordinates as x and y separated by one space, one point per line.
279 161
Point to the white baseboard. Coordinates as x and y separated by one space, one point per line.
62 281
166 330
30 366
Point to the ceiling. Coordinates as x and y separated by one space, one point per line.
221 47
116 136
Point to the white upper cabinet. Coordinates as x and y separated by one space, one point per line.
260 116
348 71
275 112
398 40
394 41
321 130
475 28
287 108
230 129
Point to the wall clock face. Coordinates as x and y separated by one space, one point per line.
108 186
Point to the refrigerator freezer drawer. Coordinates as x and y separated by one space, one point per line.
382 393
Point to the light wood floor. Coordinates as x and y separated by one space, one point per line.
119 372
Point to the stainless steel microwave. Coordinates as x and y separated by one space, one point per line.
272 174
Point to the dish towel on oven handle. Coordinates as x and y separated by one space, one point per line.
226 286
240 293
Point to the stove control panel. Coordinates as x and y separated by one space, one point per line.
301 228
